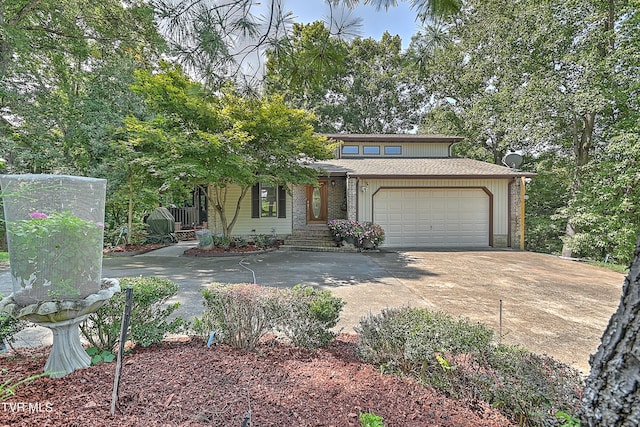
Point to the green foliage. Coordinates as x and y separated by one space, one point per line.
263 240
369 419
8 388
241 315
458 357
357 86
9 327
53 249
409 339
548 194
569 420
150 314
310 314
4 256
100 356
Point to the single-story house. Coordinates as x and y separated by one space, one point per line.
409 184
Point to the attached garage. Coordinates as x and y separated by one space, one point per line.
434 217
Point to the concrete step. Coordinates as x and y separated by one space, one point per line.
306 248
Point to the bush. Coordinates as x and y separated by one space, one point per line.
309 316
409 339
529 388
149 314
9 327
242 314
239 314
367 235
458 357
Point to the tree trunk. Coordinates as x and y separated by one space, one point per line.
612 392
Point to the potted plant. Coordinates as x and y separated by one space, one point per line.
371 235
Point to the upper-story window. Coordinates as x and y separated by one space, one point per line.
350 149
392 149
371 149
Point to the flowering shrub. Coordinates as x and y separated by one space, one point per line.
57 252
362 234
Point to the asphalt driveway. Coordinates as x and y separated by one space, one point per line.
550 305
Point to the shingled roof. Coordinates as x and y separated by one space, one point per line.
440 168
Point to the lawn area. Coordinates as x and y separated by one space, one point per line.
4 256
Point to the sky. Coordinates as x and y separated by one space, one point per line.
397 20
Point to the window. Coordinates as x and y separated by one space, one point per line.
350 149
392 149
371 149
268 201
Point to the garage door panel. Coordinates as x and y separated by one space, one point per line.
433 217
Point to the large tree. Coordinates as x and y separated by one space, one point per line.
63 73
359 86
198 138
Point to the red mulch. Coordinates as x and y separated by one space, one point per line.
223 251
188 384
132 249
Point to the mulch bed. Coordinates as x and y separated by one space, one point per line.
131 250
245 250
187 384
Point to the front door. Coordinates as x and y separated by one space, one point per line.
317 203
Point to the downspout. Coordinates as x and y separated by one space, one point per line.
510 212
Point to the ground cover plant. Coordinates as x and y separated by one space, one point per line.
459 358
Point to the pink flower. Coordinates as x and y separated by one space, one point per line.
38 215
100 224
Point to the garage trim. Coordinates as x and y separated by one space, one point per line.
485 189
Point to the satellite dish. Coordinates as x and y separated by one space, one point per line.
512 160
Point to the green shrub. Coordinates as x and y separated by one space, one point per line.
409 339
458 357
529 388
239 314
9 327
309 316
242 314
150 314
263 240
370 419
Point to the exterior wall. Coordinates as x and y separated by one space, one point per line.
337 202
412 150
245 225
498 187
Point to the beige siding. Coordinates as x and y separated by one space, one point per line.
499 189
245 225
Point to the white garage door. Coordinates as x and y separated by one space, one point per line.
420 217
